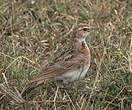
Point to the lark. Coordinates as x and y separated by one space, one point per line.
70 65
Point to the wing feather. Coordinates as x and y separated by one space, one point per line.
69 61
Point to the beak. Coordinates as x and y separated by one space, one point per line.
93 28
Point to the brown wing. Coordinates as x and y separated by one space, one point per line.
66 61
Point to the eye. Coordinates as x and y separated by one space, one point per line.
85 29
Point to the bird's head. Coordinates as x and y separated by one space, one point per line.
81 31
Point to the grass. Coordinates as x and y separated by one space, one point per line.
32 32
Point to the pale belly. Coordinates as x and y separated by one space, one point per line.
74 75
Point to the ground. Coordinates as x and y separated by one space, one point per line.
32 32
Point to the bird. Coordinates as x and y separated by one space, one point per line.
70 65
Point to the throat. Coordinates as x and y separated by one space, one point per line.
78 44
83 44
82 40
84 49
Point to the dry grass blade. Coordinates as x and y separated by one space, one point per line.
130 56
74 108
55 98
15 96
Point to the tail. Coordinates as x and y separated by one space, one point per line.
31 86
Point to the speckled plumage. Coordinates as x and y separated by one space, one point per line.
71 64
